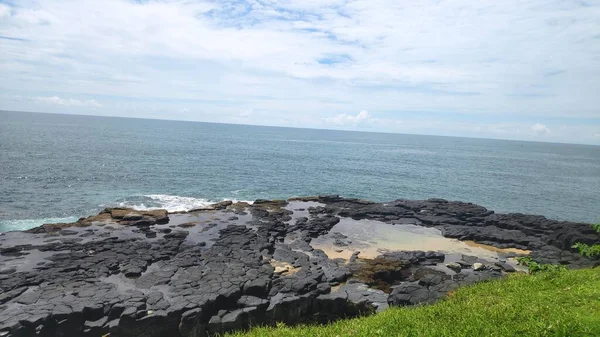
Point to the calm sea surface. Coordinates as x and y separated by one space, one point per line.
59 167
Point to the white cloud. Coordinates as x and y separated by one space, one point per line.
304 60
345 119
540 129
246 113
4 10
55 100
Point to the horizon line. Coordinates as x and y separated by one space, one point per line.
300 128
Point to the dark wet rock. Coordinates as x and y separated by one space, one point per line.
414 257
235 320
14 251
407 221
467 261
341 240
284 254
191 323
216 206
391 268
56 227
435 287
316 226
290 308
350 300
456 267
187 224
381 272
7 271
29 297
409 294
252 301
177 235
270 203
130 217
9 295
354 257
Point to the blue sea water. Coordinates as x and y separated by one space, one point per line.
57 168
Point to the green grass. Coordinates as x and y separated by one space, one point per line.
559 303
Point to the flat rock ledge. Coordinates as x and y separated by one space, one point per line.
234 265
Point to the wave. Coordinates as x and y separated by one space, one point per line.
25 224
172 203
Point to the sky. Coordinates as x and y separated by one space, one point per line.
527 69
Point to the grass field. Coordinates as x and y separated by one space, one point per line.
565 303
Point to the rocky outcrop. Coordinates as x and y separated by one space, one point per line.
148 273
121 216
434 286
549 240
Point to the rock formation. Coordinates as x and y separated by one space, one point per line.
227 267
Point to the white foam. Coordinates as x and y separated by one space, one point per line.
25 224
172 203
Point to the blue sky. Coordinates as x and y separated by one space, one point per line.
506 69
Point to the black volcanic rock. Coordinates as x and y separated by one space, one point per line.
467 221
123 272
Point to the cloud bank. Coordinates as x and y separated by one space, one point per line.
67 102
540 129
344 119
443 67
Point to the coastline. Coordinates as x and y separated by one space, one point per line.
77 168
231 265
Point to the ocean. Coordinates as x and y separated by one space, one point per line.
57 168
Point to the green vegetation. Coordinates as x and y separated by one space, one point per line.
535 267
589 251
564 303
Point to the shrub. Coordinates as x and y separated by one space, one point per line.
590 251
535 267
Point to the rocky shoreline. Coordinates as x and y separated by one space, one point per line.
233 265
